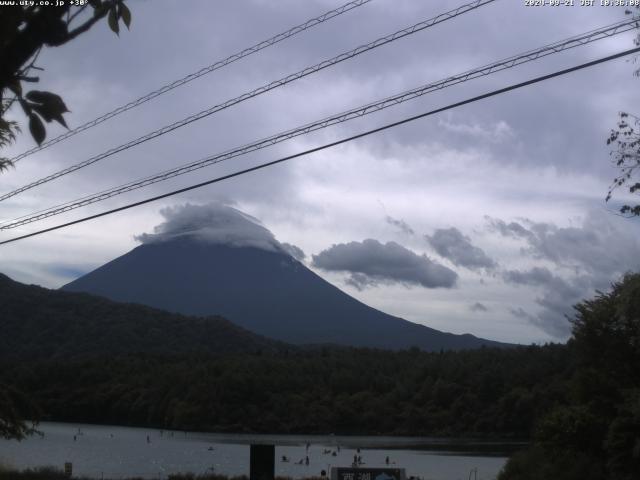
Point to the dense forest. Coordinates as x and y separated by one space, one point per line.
592 431
487 392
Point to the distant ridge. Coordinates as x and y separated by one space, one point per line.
41 324
267 292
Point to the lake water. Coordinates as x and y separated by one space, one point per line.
116 452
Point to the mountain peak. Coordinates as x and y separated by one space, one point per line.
261 290
216 260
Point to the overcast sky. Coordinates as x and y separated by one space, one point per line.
488 219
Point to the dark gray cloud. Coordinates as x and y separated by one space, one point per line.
478 307
585 258
536 276
520 313
361 281
599 247
511 229
400 225
371 263
559 329
451 244
557 298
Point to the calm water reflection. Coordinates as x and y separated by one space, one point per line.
115 452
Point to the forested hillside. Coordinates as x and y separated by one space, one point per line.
37 323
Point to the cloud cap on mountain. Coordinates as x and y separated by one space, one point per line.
219 224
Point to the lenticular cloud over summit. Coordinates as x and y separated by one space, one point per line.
214 223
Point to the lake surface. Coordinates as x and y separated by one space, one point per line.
116 452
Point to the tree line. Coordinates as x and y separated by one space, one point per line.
486 392
592 430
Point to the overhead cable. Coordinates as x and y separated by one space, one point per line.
531 55
258 91
192 76
329 145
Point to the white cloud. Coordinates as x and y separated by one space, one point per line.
216 223
497 133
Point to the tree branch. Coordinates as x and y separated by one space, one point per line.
28 79
97 15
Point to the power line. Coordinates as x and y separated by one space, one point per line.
192 76
332 144
258 91
594 35
510 62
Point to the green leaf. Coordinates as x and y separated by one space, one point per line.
52 100
36 127
113 21
36 96
125 14
48 114
43 112
48 105
60 119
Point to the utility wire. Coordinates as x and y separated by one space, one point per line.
192 76
258 91
594 35
332 144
